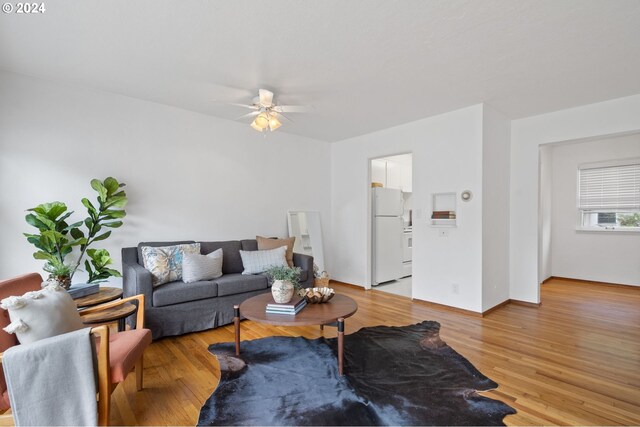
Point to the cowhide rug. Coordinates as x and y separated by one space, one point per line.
394 376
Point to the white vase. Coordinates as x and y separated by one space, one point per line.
282 291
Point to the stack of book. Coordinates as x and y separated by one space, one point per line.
80 290
292 307
443 215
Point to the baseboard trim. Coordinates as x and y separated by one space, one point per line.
546 280
350 285
495 307
594 282
525 303
447 307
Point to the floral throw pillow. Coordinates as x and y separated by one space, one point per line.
165 262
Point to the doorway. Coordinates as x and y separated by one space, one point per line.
391 222
589 209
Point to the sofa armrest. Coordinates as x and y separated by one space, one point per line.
305 262
137 280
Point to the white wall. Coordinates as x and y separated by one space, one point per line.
188 175
496 130
447 153
602 256
545 204
595 120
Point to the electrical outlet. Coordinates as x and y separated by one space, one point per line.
443 233
455 288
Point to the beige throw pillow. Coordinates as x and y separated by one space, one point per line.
41 314
267 243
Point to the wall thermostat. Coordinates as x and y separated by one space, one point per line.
466 195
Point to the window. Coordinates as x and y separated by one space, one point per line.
609 195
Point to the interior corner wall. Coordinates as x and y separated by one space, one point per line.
545 204
617 116
612 257
495 207
447 153
188 175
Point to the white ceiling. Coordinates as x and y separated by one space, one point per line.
364 64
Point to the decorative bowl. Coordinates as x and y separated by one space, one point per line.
318 295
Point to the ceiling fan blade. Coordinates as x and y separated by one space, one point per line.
294 108
251 114
283 116
236 104
266 97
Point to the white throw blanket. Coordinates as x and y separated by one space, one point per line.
52 381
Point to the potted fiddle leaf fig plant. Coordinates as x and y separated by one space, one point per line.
57 238
285 281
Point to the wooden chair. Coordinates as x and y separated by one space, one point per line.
124 349
104 380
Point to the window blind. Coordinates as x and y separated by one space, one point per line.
610 188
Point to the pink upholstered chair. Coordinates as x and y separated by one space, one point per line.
125 348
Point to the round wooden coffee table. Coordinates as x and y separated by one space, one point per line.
333 311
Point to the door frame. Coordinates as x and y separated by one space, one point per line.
370 254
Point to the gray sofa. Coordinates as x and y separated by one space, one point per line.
176 308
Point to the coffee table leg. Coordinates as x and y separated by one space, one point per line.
236 321
340 346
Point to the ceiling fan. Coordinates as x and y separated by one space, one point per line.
267 112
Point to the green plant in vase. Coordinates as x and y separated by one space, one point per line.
57 238
285 281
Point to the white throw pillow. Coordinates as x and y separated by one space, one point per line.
256 262
196 267
165 262
41 314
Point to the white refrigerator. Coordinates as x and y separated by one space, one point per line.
388 227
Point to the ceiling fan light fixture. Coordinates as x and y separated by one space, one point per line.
274 123
261 122
256 127
267 113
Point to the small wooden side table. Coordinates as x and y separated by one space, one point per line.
105 294
118 313
113 314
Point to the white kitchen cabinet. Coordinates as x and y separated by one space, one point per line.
394 175
378 171
406 179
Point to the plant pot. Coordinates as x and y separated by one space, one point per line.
282 291
63 281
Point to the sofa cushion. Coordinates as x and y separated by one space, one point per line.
177 292
231 261
249 244
198 267
256 262
237 283
157 244
165 262
41 314
271 243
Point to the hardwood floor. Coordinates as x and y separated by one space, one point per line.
574 360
